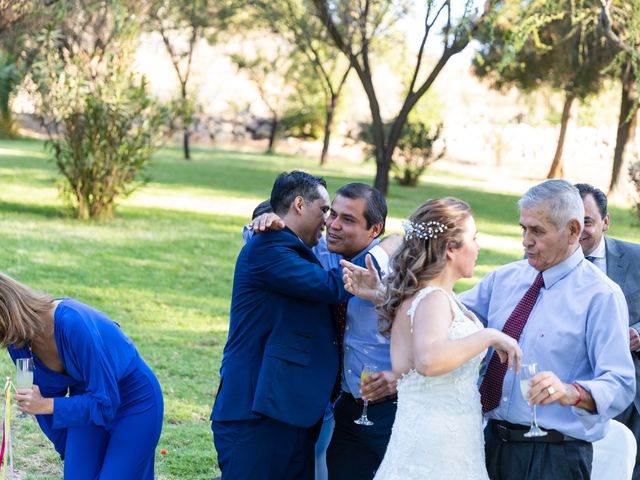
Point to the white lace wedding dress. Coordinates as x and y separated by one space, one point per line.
437 433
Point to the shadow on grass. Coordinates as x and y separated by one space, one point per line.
47 211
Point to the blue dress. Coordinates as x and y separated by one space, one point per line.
109 424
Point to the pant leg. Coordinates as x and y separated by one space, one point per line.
356 451
631 419
85 449
130 454
321 447
537 461
264 448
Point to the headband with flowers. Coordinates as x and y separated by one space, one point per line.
423 230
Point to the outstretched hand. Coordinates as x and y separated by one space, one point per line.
508 350
266 221
363 282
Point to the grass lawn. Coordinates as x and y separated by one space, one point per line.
163 268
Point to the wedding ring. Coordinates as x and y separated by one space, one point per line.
551 391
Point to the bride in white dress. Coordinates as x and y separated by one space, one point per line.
437 345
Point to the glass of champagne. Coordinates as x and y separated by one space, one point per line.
366 371
527 372
24 377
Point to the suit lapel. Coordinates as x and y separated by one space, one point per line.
616 267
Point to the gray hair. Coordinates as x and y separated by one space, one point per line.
561 200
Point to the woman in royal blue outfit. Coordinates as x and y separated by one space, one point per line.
93 395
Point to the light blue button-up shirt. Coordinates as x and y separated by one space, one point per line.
363 342
578 329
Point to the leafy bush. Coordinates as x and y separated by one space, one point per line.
415 152
103 125
104 147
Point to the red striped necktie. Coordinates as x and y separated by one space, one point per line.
491 387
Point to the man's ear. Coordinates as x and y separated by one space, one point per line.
605 222
376 228
298 204
574 230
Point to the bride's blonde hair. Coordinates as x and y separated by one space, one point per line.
422 257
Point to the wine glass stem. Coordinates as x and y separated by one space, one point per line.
364 410
534 419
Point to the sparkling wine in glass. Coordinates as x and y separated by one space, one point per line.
527 372
366 371
24 376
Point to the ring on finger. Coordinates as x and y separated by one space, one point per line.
551 391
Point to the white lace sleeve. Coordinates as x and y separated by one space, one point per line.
418 298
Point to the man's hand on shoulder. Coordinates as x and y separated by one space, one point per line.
266 221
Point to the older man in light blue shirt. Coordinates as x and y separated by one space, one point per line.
577 333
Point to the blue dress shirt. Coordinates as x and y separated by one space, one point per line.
363 342
578 329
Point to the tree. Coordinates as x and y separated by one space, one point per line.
182 24
527 45
278 72
101 122
355 26
291 19
620 22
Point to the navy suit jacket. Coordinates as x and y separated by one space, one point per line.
623 267
281 356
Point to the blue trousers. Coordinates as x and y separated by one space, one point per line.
125 448
264 448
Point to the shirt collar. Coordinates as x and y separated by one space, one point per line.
373 243
600 251
562 269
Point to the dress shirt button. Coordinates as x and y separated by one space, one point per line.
346 348
349 371
335 342
505 399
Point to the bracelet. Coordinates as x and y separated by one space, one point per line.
579 390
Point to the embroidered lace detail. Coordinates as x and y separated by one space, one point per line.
437 433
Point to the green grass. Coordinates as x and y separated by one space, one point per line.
163 268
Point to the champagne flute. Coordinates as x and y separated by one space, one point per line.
366 371
527 372
24 377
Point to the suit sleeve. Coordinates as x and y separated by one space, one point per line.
87 354
279 267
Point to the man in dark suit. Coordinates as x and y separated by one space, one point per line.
621 262
280 361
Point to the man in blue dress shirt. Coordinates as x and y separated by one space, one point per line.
577 332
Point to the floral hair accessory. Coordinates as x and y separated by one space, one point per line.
423 230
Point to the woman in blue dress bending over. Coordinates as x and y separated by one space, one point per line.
93 395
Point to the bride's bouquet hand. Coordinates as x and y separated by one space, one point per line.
508 350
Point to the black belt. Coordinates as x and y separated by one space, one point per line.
513 432
359 401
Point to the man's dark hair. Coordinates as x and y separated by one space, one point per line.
290 185
598 195
263 207
375 210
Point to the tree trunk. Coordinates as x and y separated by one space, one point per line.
328 122
626 124
272 134
383 162
557 166
185 144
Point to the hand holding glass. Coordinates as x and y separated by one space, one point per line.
527 372
24 376
366 371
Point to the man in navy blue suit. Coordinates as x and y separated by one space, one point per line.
280 361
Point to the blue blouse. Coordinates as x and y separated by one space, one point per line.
97 358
